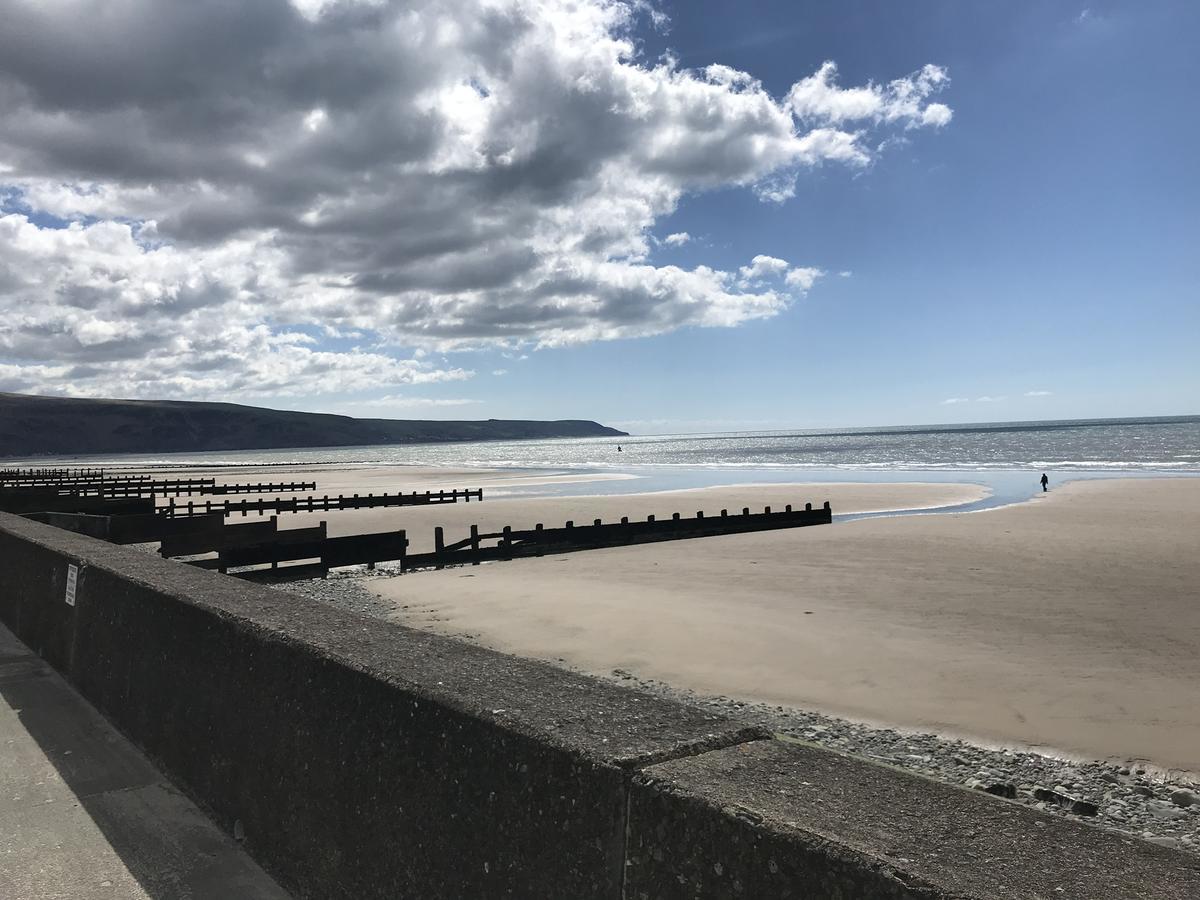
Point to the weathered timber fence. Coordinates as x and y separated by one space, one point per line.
316 504
298 544
215 536
269 545
138 528
22 502
263 487
273 548
540 541
73 481
42 474
146 488
202 486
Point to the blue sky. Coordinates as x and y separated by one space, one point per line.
1033 257
1047 240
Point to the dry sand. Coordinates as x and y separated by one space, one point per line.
1070 623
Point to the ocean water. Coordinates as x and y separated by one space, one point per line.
1006 458
1117 445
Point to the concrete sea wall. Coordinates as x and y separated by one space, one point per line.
358 758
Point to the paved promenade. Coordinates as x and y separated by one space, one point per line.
84 815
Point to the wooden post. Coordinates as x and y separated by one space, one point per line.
649 518
826 506
788 508
675 517
474 545
700 514
745 510
808 507
538 542
439 544
570 523
766 510
724 513
403 550
507 542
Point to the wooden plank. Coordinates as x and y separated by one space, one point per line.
540 540
208 539
293 504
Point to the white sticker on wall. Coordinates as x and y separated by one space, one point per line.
72 581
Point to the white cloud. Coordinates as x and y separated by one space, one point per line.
818 99
951 400
1038 393
135 319
989 399
678 239
845 273
803 278
423 175
498 372
763 267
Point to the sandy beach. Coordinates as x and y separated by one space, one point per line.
1070 623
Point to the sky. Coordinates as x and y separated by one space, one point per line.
665 216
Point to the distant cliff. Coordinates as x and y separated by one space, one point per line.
32 426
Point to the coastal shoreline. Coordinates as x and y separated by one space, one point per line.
912 633
997 604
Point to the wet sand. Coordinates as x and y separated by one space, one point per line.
1070 623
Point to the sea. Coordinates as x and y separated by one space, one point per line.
1005 457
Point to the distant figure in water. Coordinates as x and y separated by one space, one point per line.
618 448
1045 481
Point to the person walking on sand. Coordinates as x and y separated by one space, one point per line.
1045 481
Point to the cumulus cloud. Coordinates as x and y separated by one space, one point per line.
678 239
951 400
818 99
1038 393
762 267
802 277
259 177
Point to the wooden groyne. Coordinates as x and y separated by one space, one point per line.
317 504
245 545
125 511
48 474
151 488
510 543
